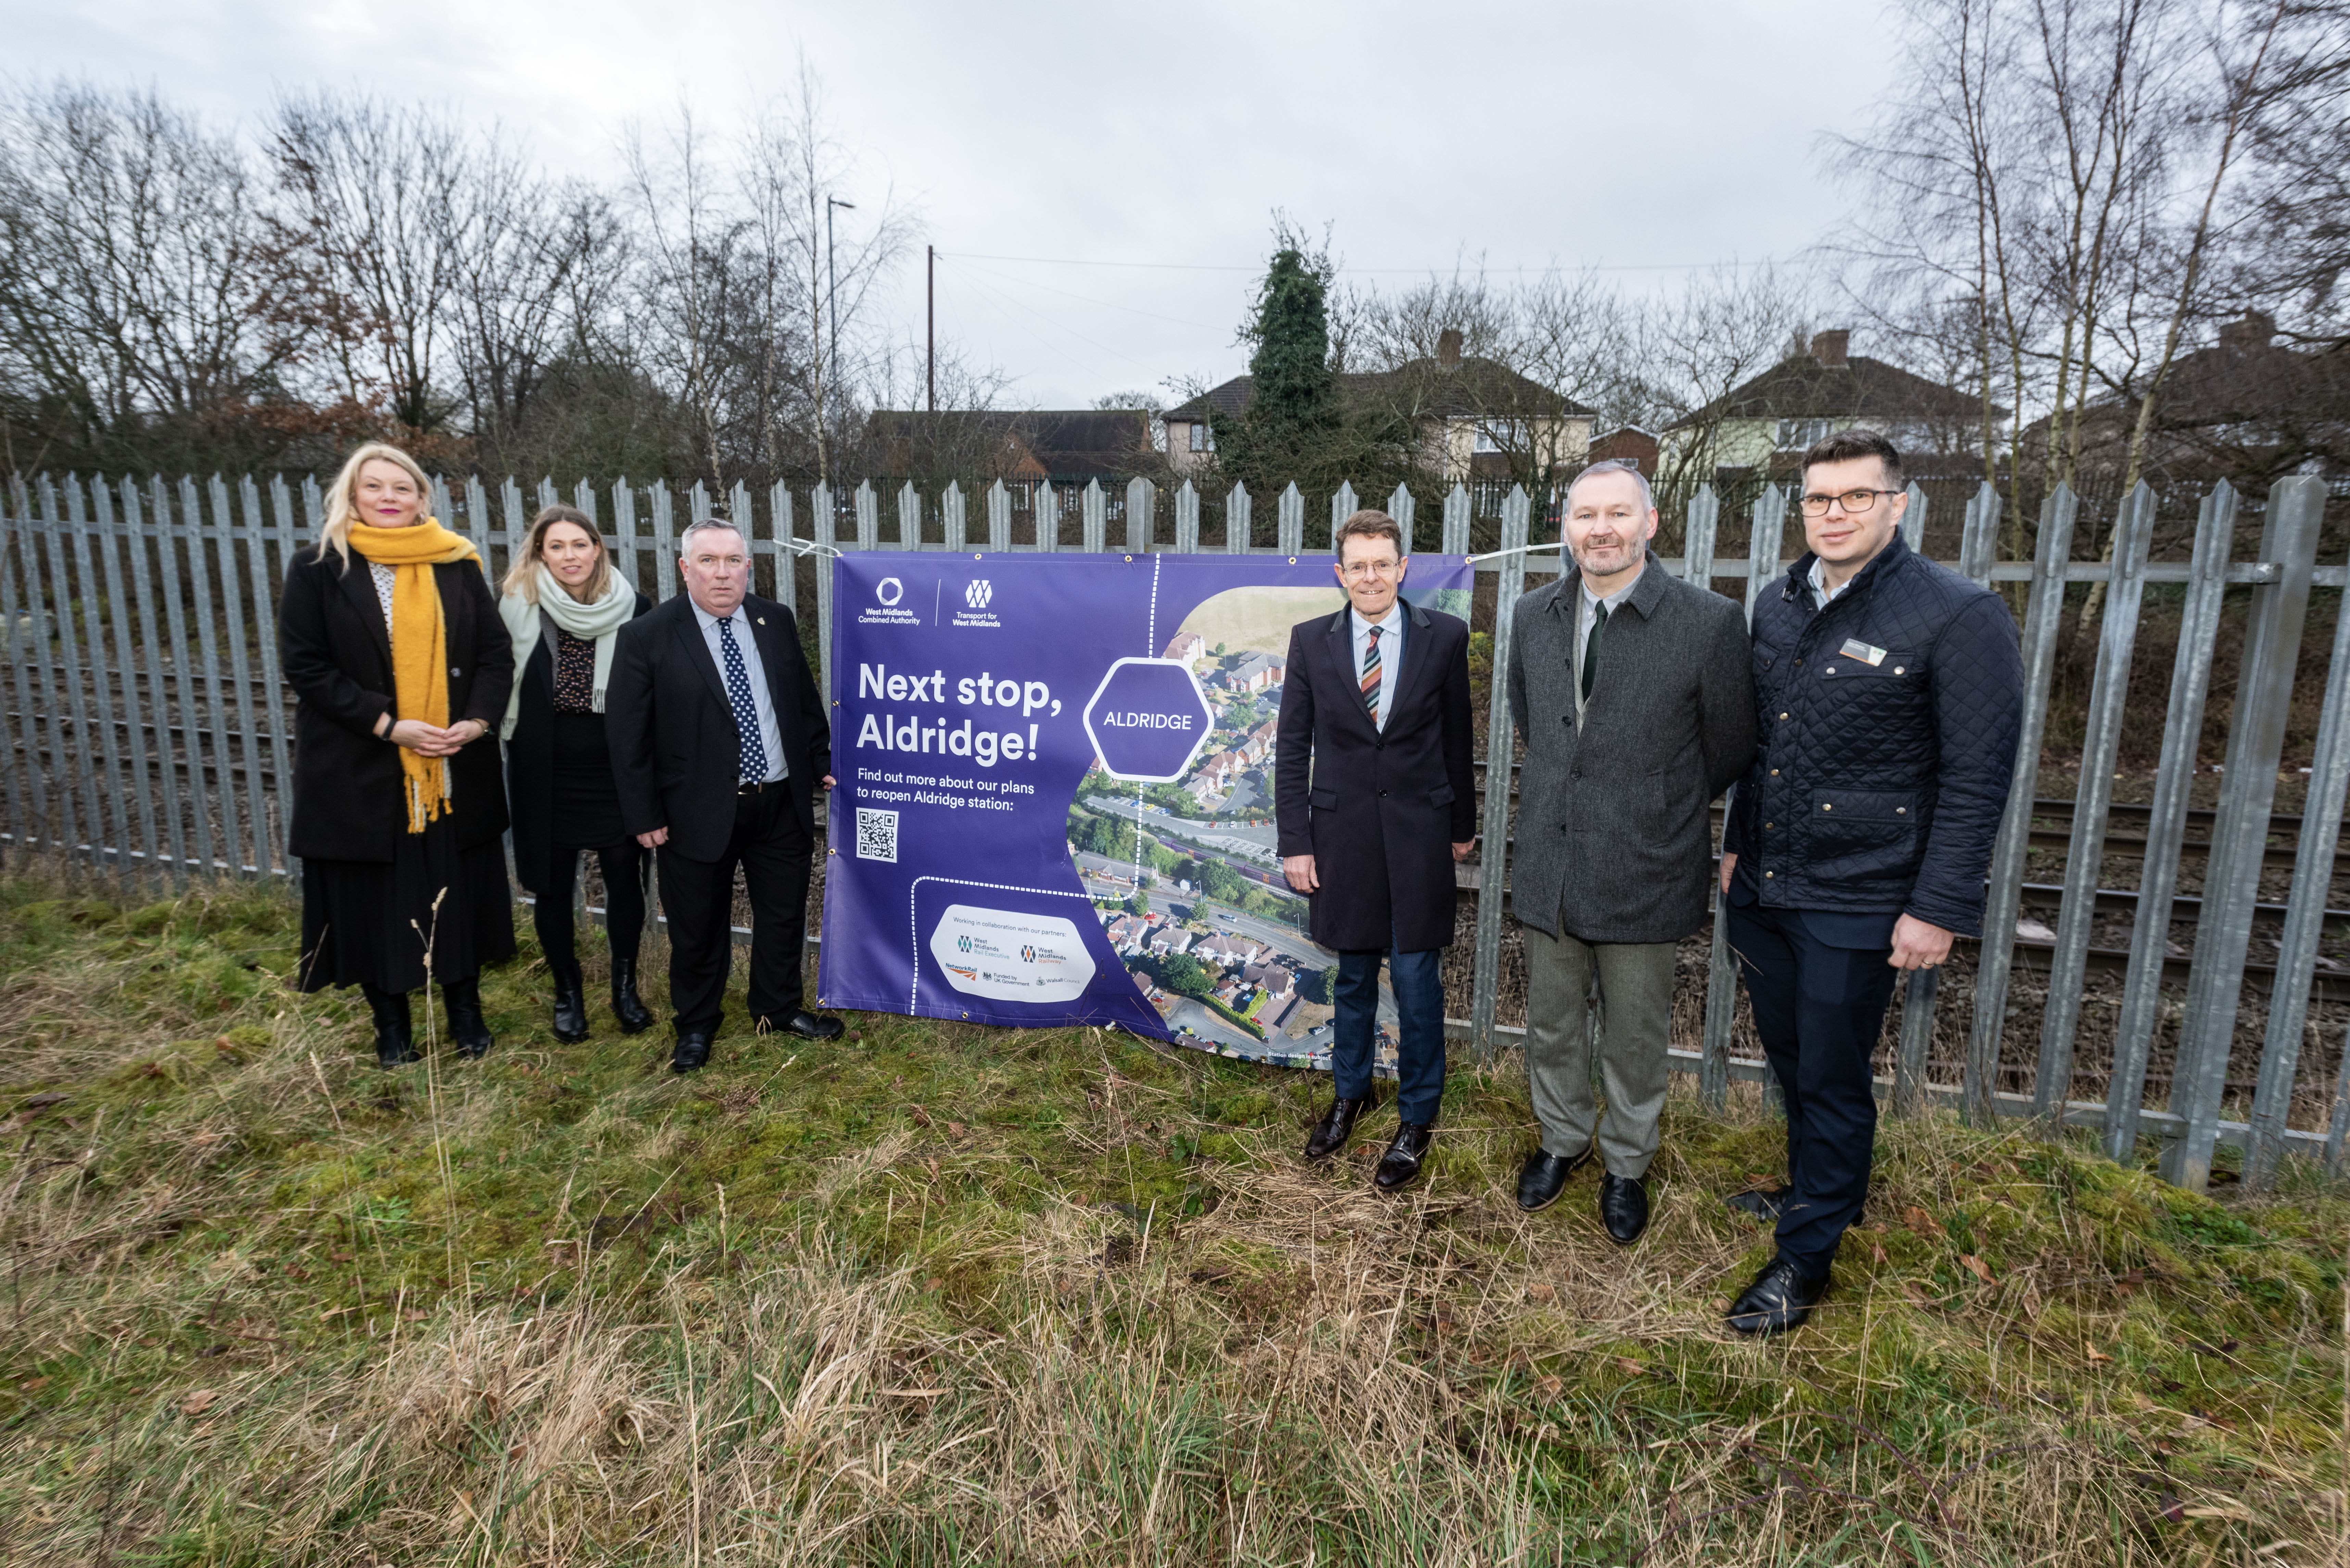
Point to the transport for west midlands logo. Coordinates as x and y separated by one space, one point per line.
963 944
977 595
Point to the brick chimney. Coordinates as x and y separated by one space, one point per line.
2254 331
1828 347
1448 349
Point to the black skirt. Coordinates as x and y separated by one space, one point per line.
586 807
368 921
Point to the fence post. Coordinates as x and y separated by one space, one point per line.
2240 829
787 566
173 839
1980 544
1045 510
1187 519
823 525
1289 531
910 517
117 817
2040 620
15 549
999 517
215 679
1343 505
2305 919
1456 522
1494 862
664 538
950 517
1236 521
1096 518
1399 507
2068 966
1142 516
1700 528
1915 1037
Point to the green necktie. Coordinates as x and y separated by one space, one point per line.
1591 645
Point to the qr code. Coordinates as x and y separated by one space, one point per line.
876 836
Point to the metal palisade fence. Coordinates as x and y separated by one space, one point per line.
148 730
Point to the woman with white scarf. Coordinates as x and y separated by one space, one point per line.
563 603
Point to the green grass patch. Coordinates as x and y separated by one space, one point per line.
935 1292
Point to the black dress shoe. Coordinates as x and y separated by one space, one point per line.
1337 1126
1762 1203
692 1050
627 1005
570 1010
467 1027
808 1026
1544 1177
1401 1162
1624 1206
1780 1298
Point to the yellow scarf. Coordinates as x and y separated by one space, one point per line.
420 651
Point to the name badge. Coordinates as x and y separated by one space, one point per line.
1855 649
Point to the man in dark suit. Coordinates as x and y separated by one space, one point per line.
1889 695
719 740
1372 788
1633 691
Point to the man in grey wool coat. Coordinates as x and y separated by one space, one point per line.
1635 693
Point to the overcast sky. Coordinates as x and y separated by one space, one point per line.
1638 136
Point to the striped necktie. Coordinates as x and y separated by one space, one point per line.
1371 677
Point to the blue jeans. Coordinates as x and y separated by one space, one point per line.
1418 981
1819 1006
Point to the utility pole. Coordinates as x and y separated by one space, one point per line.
931 324
832 283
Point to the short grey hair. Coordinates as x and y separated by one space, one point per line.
1616 465
707 525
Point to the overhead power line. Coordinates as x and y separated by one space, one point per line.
1223 266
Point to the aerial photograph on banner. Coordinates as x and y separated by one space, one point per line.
1186 875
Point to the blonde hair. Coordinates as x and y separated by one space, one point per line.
522 580
342 509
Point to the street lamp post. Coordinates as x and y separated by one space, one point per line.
832 280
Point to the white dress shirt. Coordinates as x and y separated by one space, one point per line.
1821 592
1390 655
771 737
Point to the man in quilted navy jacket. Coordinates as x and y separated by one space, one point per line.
1889 695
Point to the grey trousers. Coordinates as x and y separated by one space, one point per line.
1636 993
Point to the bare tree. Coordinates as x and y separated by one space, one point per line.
140 279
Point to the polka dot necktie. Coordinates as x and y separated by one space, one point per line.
746 711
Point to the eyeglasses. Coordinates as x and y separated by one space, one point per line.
1357 571
1856 502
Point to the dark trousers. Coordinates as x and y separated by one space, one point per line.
698 897
623 864
1819 1007
1418 981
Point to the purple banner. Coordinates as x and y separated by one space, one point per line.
1055 801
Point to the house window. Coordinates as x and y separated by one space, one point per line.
1489 438
1796 434
1202 438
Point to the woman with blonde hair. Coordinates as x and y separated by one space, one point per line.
563 605
400 667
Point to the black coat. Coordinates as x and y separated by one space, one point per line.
1880 786
1380 810
1612 824
530 761
348 802
676 754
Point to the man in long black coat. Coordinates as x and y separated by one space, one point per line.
719 740
1374 801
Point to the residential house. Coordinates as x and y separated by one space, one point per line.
1625 443
1126 933
1167 940
1278 979
1253 673
1224 948
1766 422
1470 415
1186 649
1067 446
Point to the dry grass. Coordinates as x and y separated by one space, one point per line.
949 1294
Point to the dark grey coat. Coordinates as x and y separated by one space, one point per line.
1611 827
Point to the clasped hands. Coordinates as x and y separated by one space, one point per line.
431 740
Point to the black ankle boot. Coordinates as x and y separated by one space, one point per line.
627 1005
395 1044
466 1025
570 1006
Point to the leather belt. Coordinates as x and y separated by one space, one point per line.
762 787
